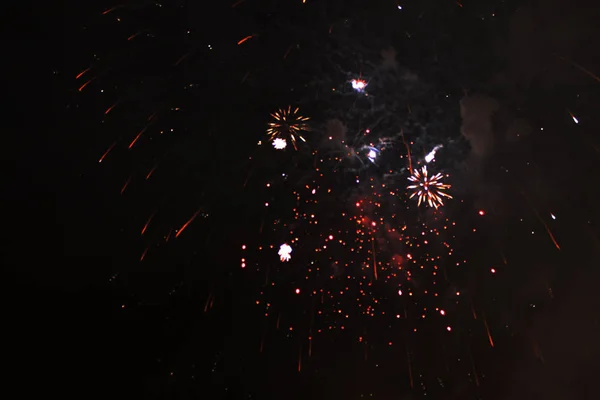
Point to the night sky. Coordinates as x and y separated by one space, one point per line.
161 157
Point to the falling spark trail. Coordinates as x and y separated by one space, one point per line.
112 9
85 84
288 52
237 3
148 223
125 185
244 39
137 137
208 299
183 57
106 152
410 168
374 259
300 359
134 35
542 221
187 223
487 329
150 173
109 109
573 116
82 72
579 67
144 254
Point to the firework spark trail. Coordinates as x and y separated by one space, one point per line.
579 67
541 220
148 223
106 152
189 221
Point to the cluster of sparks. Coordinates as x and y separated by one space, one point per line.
428 189
287 124
352 247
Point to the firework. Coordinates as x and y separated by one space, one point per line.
285 251
279 143
429 189
287 124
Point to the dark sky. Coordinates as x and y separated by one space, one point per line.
499 83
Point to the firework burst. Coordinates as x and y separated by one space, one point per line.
287 124
429 189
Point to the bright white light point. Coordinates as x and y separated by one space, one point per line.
553 216
481 212
279 143
574 119
431 156
297 291
449 328
398 316
399 292
284 252
243 247
493 270
314 191
330 237
442 312
266 204
358 84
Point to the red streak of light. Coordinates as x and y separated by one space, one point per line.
287 52
460 5
207 302
85 84
134 35
300 359
579 67
144 254
111 9
168 236
244 39
82 72
237 3
106 152
310 346
489 335
137 137
110 108
150 173
187 223
183 57
148 223
125 185
374 259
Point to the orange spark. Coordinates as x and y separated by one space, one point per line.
137 137
460 5
244 39
144 254
148 223
106 152
134 35
82 72
111 9
579 67
187 223
207 302
110 108
125 185
85 84
150 173
487 329
183 57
